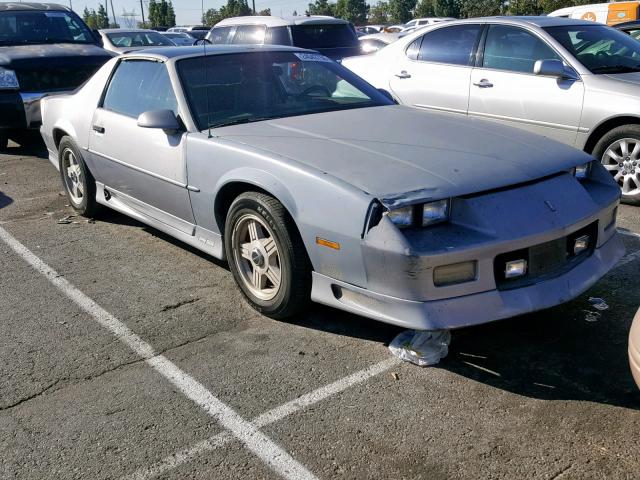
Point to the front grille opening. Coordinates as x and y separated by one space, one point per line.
546 260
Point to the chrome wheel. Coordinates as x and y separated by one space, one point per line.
256 256
72 174
622 159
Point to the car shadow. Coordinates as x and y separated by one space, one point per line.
556 354
30 144
4 200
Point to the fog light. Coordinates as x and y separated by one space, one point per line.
581 244
515 268
454 273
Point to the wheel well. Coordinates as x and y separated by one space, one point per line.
610 124
227 195
58 133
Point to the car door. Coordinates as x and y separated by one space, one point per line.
142 168
435 70
505 88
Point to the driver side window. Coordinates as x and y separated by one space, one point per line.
138 86
514 49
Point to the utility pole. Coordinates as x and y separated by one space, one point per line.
70 5
106 4
254 7
202 9
142 10
114 14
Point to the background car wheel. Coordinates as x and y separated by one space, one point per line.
4 140
619 152
77 179
267 256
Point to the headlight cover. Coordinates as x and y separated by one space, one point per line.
582 172
8 80
421 215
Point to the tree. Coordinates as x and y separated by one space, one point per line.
322 7
548 6
233 8
424 8
446 8
90 18
354 11
267 12
171 16
480 8
379 13
102 18
294 14
400 10
524 7
161 14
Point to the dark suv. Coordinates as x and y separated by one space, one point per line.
44 49
330 36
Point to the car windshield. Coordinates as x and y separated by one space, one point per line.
599 48
228 89
40 27
138 39
332 35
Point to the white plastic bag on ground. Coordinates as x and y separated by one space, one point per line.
422 347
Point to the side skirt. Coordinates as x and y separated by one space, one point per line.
198 237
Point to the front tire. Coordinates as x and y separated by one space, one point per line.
267 256
619 152
78 182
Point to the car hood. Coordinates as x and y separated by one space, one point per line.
631 77
60 54
402 154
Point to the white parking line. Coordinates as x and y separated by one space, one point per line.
261 445
267 418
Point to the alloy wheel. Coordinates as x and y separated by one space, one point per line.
622 160
257 257
72 174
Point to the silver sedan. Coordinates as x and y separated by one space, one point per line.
571 80
315 185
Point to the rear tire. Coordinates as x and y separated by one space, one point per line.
77 180
619 152
267 256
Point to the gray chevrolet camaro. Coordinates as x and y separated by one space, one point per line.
314 185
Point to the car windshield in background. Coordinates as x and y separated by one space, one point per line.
249 87
599 48
34 28
324 36
139 39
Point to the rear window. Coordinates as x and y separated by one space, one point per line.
324 36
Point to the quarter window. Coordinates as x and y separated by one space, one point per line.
249 34
219 35
138 86
514 49
453 45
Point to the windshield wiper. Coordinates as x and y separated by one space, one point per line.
238 121
615 69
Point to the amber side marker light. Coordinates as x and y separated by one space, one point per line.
327 243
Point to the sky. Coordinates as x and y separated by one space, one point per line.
187 11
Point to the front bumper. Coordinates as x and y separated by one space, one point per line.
471 309
21 110
538 222
634 348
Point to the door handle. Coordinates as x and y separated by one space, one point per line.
484 83
98 128
403 74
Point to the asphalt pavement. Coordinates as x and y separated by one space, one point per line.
229 394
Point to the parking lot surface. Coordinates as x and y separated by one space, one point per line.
125 354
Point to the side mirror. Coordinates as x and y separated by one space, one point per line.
163 119
554 68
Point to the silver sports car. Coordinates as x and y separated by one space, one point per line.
315 185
